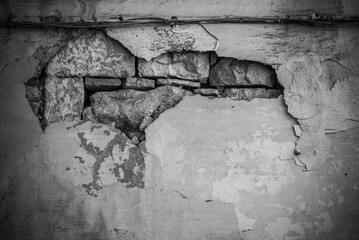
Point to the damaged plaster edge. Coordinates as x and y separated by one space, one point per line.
217 40
166 48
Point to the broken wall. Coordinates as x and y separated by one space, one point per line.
283 168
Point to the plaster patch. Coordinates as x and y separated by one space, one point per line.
150 41
207 155
283 228
244 222
324 223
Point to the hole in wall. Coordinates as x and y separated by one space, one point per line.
173 74
95 78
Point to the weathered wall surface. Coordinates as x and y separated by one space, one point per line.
74 10
214 169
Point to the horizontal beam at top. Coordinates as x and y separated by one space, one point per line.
112 10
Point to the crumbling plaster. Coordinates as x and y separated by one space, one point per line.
41 201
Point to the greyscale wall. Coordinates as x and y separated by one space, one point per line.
225 160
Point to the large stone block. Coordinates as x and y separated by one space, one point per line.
64 99
127 108
232 72
251 93
93 54
185 65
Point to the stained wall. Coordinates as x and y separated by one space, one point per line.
282 168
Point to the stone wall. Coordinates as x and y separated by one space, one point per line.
210 164
93 77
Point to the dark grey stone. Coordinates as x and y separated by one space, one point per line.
233 72
137 83
127 108
102 84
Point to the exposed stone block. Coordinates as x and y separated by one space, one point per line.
64 99
185 65
250 93
102 84
139 83
127 108
93 54
232 72
207 92
178 82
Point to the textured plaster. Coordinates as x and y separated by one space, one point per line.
150 41
76 10
255 156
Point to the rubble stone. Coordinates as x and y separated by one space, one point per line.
147 120
250 93
184 65
93 54
139 83
33 93
102 84
64 99
127 108
207 92
232 72
177 82
88 115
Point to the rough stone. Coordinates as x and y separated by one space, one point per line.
177 82
127 108
137 83
185 65
139 135
102 84
233 72
33 93
147 120
36 108
150 41
250 93
135 140
207 92
64 99
93 54
88 115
